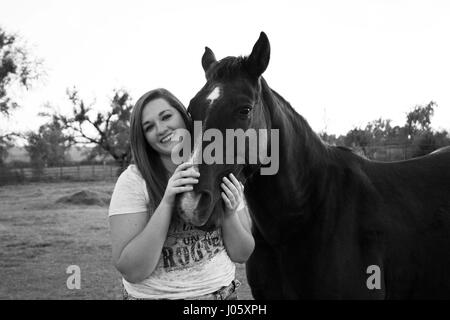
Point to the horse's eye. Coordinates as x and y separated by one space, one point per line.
245 111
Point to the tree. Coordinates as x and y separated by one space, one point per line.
5 144
331 139
358 138
418 125
427 141
48 146
16 67
362 139
379 130
111 128
419 119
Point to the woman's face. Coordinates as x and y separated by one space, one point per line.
160 121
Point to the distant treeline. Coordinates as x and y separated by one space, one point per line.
51 146
415 138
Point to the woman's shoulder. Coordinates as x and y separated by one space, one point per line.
131 172
131 177
130 193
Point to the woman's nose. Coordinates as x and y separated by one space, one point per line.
161 128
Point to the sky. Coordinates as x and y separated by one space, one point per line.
340 63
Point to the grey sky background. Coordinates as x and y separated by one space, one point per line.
339 63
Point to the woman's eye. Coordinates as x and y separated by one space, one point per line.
166 117
148 128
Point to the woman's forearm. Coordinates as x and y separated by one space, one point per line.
140 256
238 241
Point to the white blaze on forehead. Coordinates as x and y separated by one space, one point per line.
214 95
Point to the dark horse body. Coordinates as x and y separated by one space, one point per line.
329 214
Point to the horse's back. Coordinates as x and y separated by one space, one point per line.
432 168
414 207
412 190
442 150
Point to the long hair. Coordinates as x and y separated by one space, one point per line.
147 159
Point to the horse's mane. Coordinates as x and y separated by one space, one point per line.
227 68
291 122
317 162
296 125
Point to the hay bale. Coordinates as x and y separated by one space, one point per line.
86 197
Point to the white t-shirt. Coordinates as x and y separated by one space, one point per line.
192 262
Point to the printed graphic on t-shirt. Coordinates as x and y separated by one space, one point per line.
186 246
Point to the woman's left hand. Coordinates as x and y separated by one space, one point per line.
232 195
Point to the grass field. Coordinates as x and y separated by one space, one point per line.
40 238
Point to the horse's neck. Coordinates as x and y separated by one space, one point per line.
282 201
302 153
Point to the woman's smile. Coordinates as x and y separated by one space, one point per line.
167 138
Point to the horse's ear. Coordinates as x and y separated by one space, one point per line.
258 60
208 59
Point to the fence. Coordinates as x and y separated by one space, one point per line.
111 172
67 173
395 152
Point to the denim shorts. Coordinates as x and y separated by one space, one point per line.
225 293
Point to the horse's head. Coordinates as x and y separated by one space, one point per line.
230 100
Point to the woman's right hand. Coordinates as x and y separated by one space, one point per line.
181 180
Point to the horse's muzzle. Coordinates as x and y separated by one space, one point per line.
195 207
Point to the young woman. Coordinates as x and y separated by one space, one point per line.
159 255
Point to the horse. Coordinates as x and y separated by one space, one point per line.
329 224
